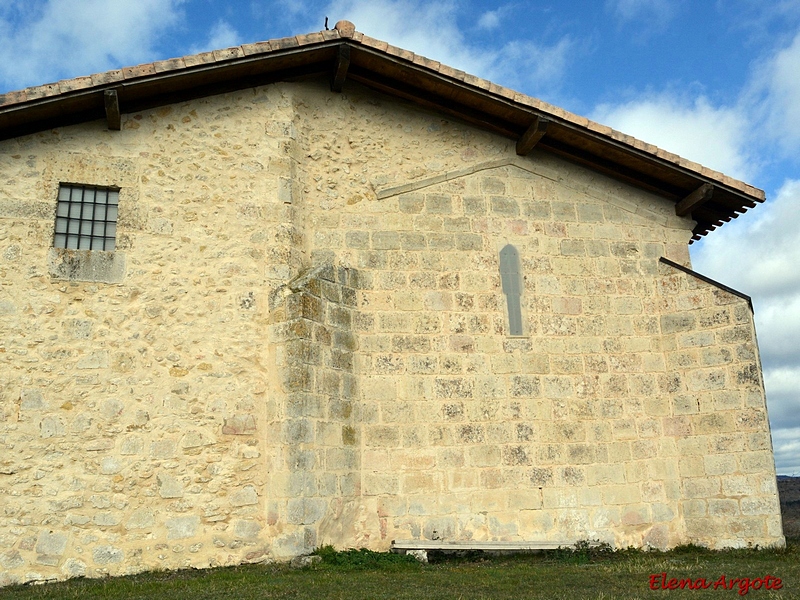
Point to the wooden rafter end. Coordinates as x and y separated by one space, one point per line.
340 68
694 200
532 135
113 115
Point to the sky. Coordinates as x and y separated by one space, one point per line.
716 81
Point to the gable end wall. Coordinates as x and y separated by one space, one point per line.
308 345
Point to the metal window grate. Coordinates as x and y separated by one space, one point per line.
86 218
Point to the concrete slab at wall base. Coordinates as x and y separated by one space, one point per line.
247 377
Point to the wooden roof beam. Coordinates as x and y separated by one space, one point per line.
113 115
532 135
340 68
429 101
695 199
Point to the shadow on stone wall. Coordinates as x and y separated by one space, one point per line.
315 344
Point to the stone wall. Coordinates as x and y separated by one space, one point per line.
712 405
316 479
301 339
135 415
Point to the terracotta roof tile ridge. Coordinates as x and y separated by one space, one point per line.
168 65
345 30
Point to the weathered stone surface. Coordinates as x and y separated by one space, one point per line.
111 408
244 497
297 355
196 439
106 519
169 486
179 528
420 555
141 518
74 567
32 399
85 265
306 511
103 555
246 529
301 562
163 449
96 445
11 559
52 427
239 425
111 465
51 543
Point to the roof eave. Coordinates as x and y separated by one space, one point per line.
394 71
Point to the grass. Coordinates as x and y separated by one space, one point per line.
585 573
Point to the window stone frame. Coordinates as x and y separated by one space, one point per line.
100 266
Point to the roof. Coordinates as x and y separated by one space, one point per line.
344 54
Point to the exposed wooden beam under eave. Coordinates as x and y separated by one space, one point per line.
113 115
340 68
532 135
405 76
431 102
695 199
608 167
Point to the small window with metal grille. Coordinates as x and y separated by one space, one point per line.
86 217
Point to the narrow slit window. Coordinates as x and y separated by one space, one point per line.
511 280
86 218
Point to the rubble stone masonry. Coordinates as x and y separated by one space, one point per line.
301 339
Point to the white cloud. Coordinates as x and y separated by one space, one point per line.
777 88
432 30
764 23
786 445
783 391
222 35
293 8
66 38
759 254
527 64
778 323
489 20
426 29
716 137
721 137
657 12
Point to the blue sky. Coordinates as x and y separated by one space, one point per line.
715 81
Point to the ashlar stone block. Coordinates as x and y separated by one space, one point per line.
179 528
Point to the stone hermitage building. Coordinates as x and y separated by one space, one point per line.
321 290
